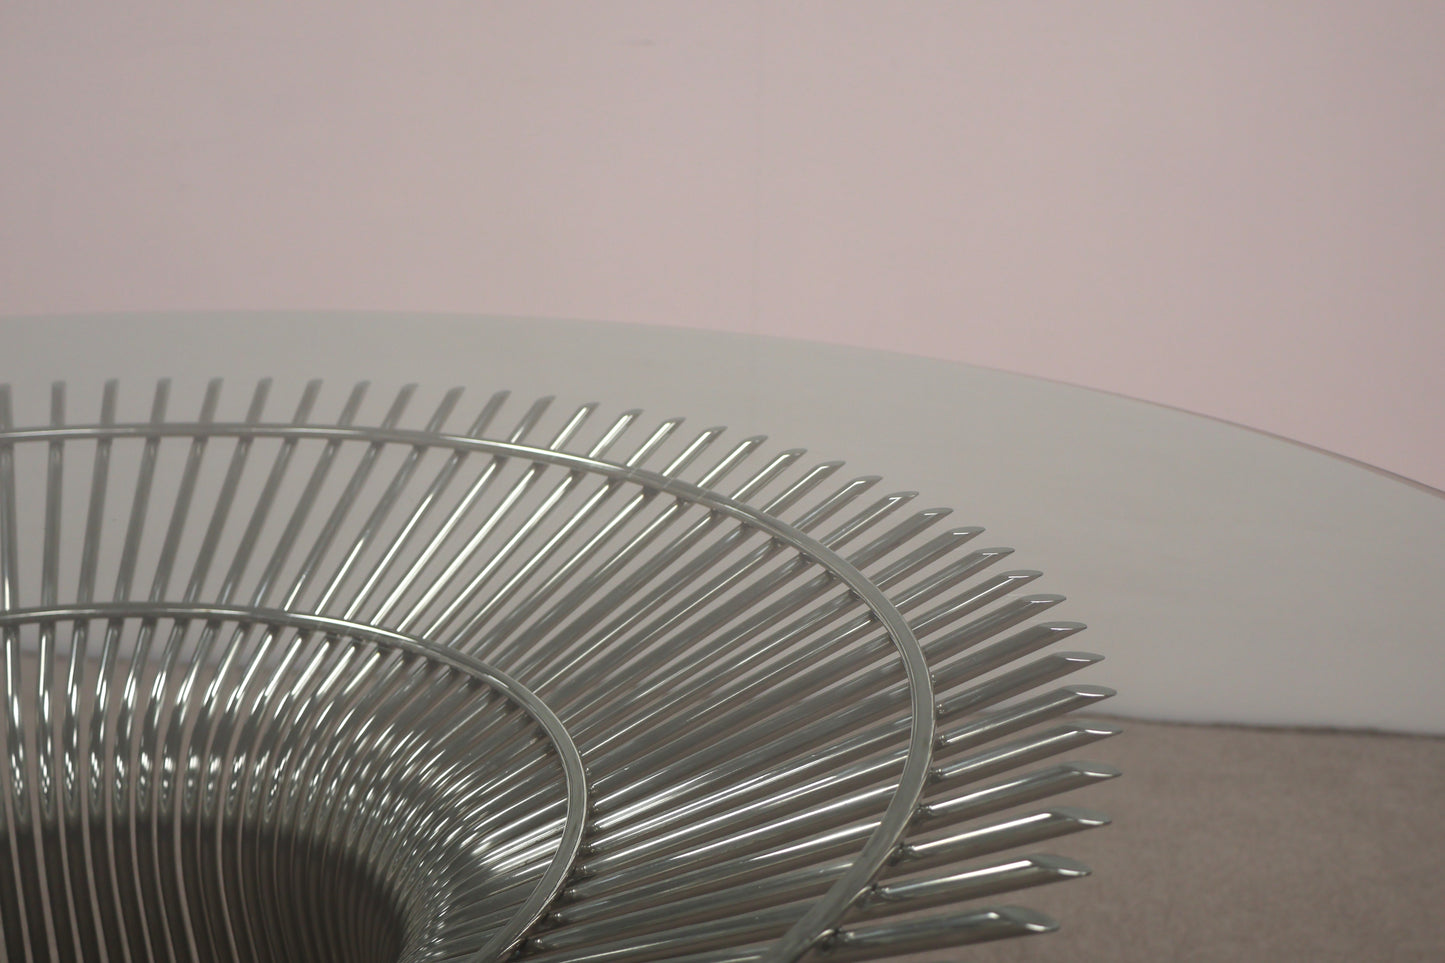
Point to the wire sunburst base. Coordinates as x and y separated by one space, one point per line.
377 687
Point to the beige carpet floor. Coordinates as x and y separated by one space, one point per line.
1246 844
1250 844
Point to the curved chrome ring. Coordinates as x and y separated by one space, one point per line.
822 917
545 891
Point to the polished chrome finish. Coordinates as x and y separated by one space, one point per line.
295 765
369 656
934 932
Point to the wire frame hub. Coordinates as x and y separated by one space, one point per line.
812 718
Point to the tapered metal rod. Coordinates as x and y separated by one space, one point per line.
785 786
683 689
952 929
503 632
767 820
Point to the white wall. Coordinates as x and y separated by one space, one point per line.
1234 208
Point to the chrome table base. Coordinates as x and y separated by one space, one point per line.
379 686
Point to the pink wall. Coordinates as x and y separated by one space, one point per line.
1234 208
